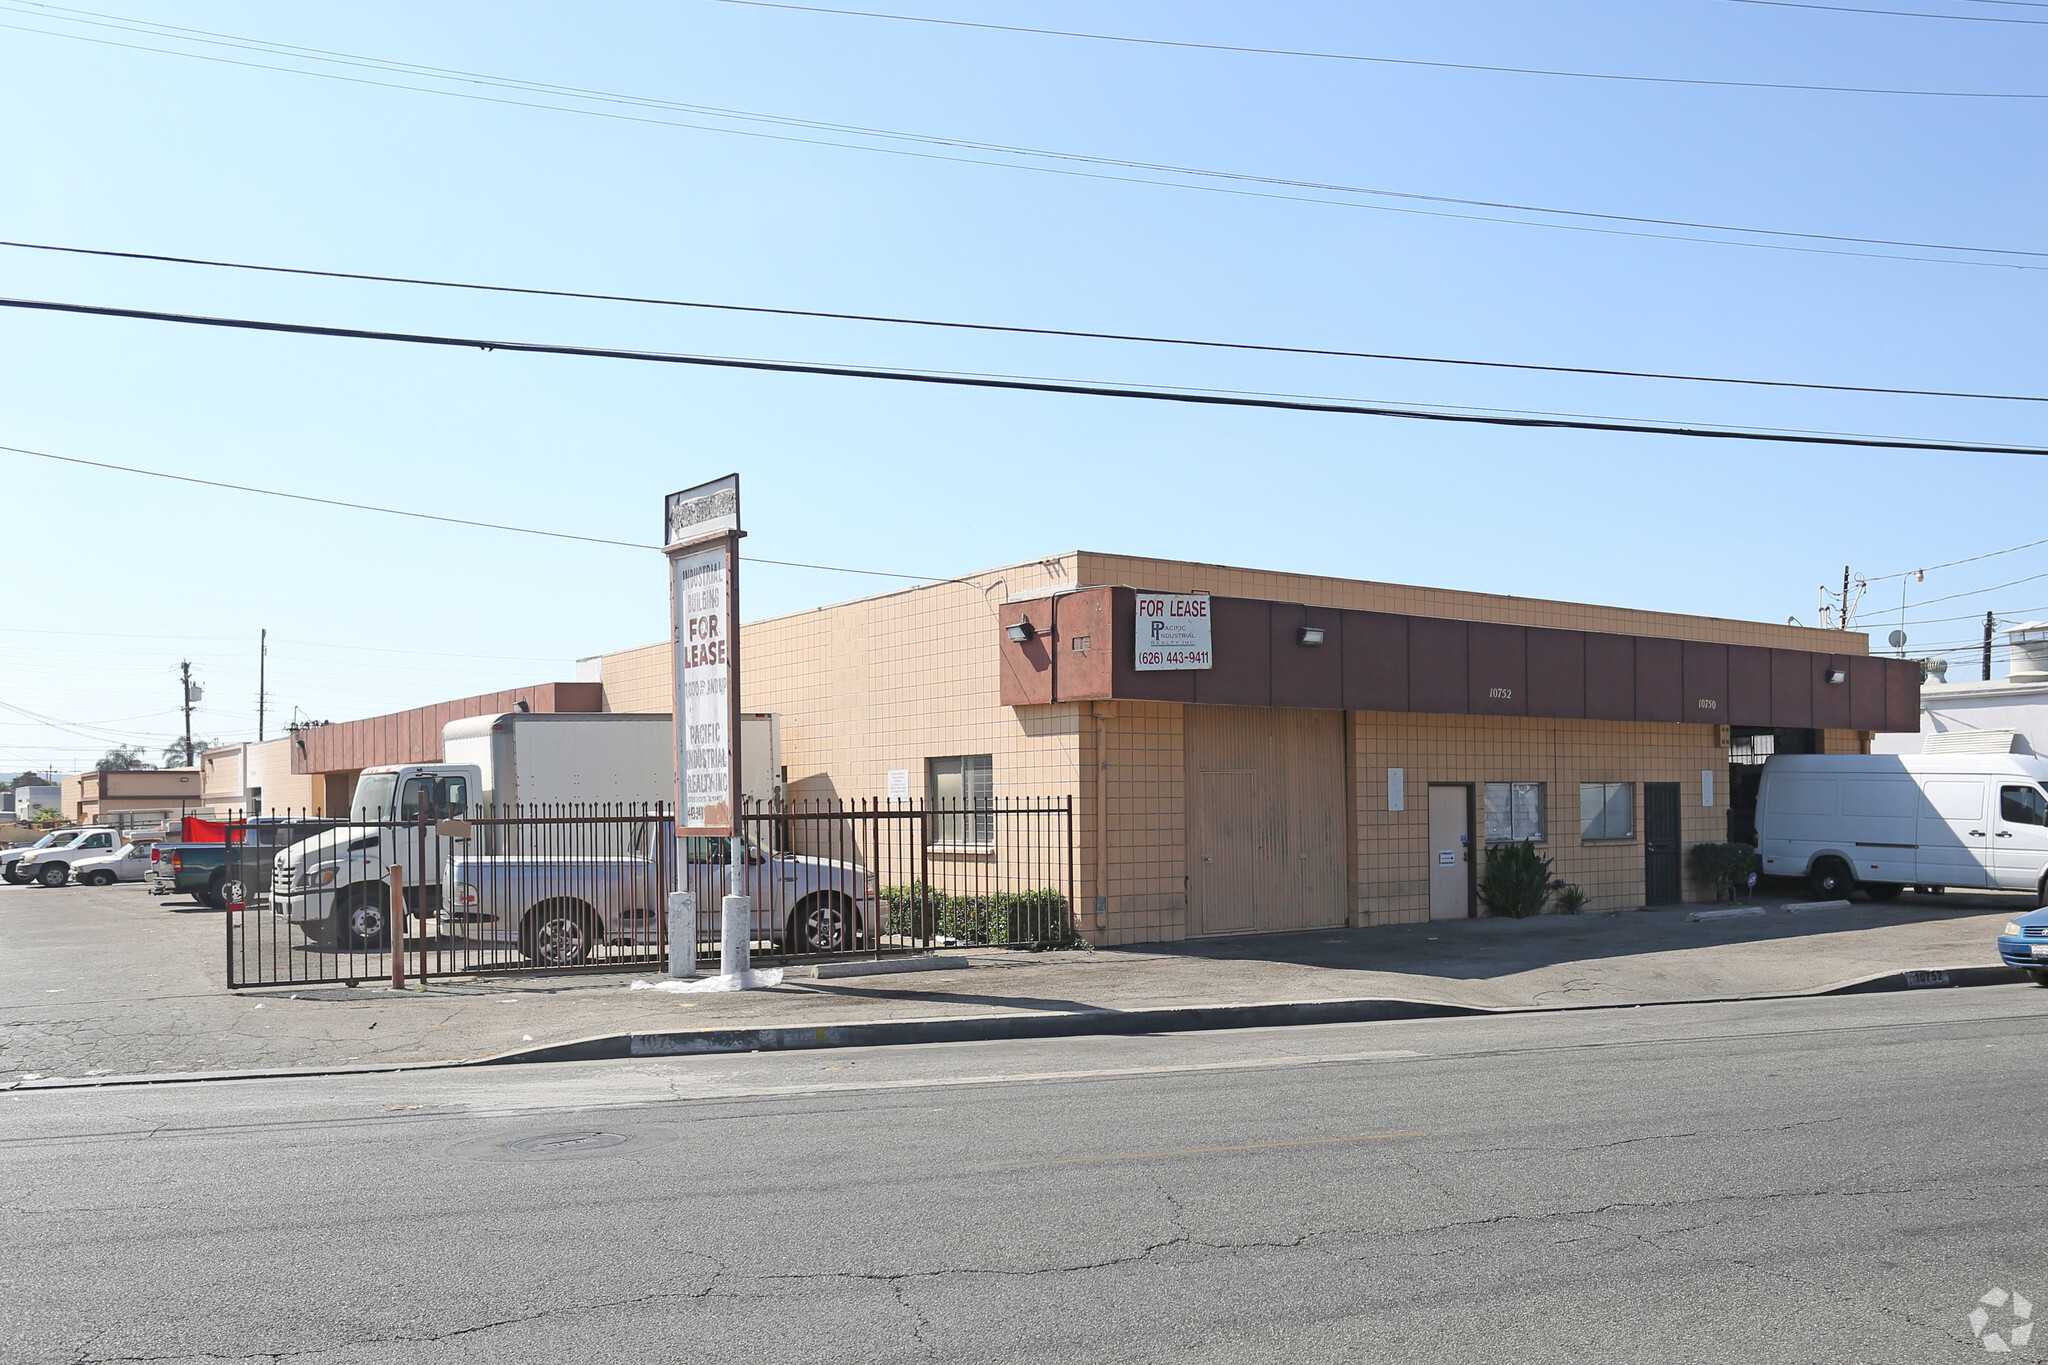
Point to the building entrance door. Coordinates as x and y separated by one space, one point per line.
1266 834
1450 852
1661 882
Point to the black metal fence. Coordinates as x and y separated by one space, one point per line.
524 889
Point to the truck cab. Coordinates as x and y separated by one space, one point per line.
336 885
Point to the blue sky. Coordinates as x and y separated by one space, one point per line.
137 150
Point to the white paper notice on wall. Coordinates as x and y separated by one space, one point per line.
1173 631
1707 787
899 784
1397 789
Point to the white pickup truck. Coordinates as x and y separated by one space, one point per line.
556 895
48 860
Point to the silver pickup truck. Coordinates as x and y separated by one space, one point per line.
558 911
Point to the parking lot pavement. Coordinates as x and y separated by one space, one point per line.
113 981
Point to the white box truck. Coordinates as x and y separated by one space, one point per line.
1882 822
516 884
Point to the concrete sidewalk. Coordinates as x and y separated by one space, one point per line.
109 981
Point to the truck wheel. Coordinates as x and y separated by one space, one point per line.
320 933
365 921
2040 978
1882 891
1830 880
56 874
12 878
558 934
100 878
823 924
211 896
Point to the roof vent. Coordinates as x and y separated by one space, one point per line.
2029 653
1972 742
1933 671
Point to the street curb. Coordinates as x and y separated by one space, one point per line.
984 1028
980 1028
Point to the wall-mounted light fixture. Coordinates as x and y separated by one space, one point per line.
521 707
1023 632
1836 675
1309 635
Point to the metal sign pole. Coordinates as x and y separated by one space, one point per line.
701 536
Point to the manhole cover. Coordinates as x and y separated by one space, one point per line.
558 1143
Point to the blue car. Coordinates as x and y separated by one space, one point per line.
2024 943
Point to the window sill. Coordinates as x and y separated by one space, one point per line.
1609 839
960 848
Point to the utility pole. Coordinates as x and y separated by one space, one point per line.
1845 597
1990 622
185 674
262 659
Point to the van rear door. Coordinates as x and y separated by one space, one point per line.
1955 831
2019 835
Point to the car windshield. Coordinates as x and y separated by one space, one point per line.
373 796
45 841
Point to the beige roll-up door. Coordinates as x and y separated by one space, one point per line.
1265 819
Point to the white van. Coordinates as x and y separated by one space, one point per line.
1883 822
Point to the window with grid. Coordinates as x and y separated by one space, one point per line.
962 790
1607 810
1514 812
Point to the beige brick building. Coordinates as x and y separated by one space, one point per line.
1354 779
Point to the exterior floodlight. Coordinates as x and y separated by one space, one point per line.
1836 675
1023 632
521 707
1310 635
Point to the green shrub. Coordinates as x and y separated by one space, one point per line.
1039 918
1724 867
1570 899
1516 880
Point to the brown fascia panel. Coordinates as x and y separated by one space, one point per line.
1497 669
1380 661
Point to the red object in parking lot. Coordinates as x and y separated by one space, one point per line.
198 831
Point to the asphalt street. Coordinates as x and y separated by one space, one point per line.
1798 1180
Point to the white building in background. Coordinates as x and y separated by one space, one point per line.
2004 715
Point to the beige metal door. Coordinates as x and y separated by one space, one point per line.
1265 821
1450 852
1222 876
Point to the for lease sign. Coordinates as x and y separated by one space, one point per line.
1173 631
703 655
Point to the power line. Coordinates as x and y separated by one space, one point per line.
1979 592
1237 186
1895 13
1016 384
424 516
1010 329
1387 61
1990 554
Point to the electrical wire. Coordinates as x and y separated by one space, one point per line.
1387 61
1895 13
1015 384
1990 554
1238 179
1011 329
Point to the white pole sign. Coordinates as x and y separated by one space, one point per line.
1173 631
703 551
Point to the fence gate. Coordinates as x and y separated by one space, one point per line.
552 889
